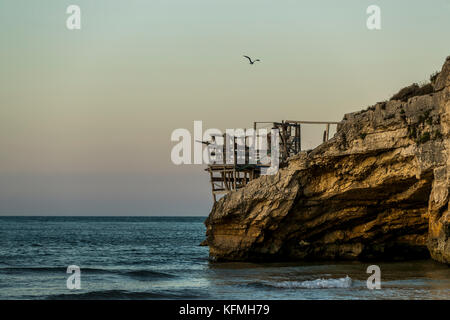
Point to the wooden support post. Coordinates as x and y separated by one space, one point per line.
224 153
212 186
299 137
283 139
224 179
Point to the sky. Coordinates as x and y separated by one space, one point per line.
86 115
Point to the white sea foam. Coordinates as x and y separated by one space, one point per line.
315 284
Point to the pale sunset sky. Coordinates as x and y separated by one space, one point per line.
86 115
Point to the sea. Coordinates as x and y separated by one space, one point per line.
160 258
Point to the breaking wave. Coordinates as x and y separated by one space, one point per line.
321 283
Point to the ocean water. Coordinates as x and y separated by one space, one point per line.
160 258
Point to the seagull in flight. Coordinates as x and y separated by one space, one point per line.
251 61
204 142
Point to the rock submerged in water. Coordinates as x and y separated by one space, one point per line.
379 189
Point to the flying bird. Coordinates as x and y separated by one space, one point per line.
251 61
204 142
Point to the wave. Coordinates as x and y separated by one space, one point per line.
148 274
320 283
137 274
36 245
32 269
51 269
123 295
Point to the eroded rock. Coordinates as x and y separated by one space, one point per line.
377 189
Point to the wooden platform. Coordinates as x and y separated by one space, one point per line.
226 178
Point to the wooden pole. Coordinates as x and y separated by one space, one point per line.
212 186
328 131
299 137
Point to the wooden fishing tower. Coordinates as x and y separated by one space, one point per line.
226 178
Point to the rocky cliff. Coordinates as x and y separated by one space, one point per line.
379 189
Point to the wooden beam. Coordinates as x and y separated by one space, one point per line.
312 122
328 131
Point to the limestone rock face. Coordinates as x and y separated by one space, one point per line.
379 189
